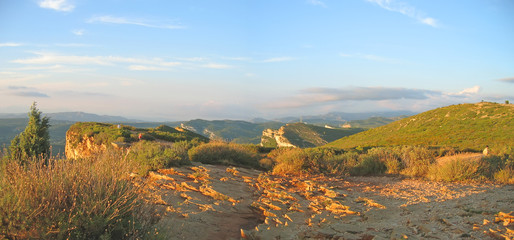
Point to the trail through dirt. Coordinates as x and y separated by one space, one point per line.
219 202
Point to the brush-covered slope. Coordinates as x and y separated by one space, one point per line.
471 126
303 135
230 130
87 138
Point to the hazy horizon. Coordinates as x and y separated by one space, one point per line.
253 59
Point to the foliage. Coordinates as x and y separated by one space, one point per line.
34 141
298 161
105 133
464 126
457 170
225 153
368 165
151 156
505 176
71 199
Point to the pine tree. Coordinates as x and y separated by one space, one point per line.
34 141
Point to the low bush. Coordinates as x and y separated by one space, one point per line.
150 156
505 176
368 165
457 170
416 160
342 163
71 199
225 154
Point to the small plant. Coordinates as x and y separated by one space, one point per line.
457 170
505 176
151 156
369 165
225 154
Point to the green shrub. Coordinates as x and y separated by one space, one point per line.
458 170
342 163
225 154
387 156
151 156
368 165
71 199
291 161
309 160
415 159
505 176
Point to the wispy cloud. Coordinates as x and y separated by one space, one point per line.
52 58
217 66
146 68
57 5
278 59
405 9
370 57
138 22
78 32
315 96
10 44
24 91
317 3
507 80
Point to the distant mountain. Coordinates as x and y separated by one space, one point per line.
464 126
304 135
340 118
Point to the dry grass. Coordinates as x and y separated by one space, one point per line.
70 199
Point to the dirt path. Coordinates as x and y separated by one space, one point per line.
216 202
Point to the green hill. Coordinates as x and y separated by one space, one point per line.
464 126
303 135
230 130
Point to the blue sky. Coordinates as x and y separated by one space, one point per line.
240 59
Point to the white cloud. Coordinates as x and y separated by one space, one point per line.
52 58
405 9
58 5
138 22
467 91
78 32
10 44
429 21
278 59
217 66
146 68
317 3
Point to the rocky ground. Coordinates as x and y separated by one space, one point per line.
219 202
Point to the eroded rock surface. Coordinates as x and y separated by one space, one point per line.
217 202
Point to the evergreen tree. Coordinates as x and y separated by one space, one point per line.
34 141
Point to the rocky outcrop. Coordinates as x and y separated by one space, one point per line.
275 138
81 146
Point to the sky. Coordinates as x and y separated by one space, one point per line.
243 59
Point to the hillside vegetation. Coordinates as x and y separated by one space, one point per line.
304 135
463 126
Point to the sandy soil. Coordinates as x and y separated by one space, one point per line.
217 202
